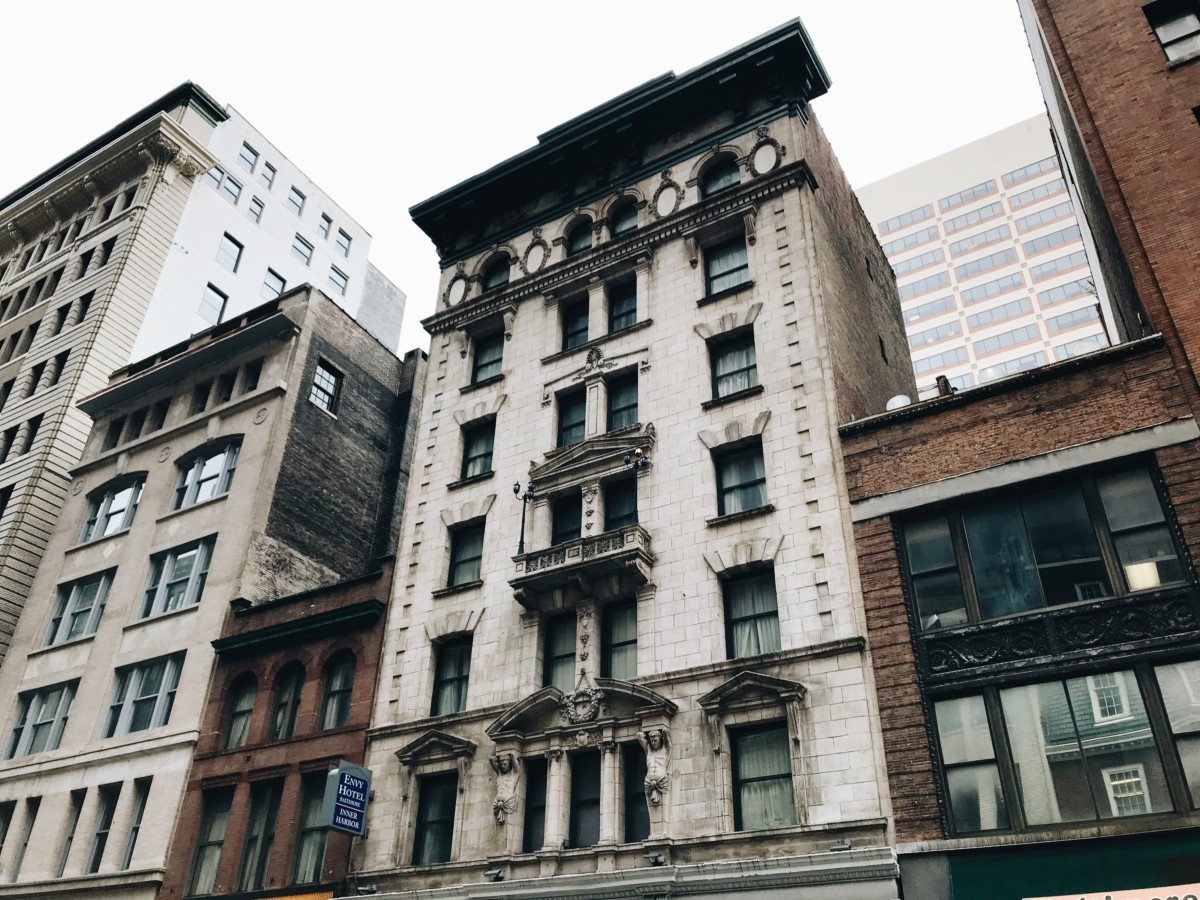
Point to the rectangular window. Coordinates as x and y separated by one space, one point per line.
466 554
273 285
1041 546
342 242
324 224
254 211
559 661
1055 266
113 509
177 578
141 793
620 503
985 264
41 718
77 798
295 201
1041 191
971 193
1068 235
338 280
326 388
260 834
618 641
452 670
1007 339
622 401
1073 319
205 475
434 839
302 249
924 285
622 305
143 695
478 441
993 288
489 357
1045 216
762 778
533 834
969 763
981 239
920 214
105 810
1001 313
247 157
229 253
1062 292
974 217
32 805
1176 23
914 263
916 239
8 807
751 615
637 813
231 188
214 821
80 605
1033 170
574 323
566 514
726 265
1179 685
266 175
585 798
251 373
572 414
741 479
212 305
311 833
999 370
933 335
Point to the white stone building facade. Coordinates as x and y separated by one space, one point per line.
652 676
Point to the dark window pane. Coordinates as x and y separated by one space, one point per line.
620 504
752 615
489 354
726 265
622 305
734 365
622 402
435 819
575 324
936 582
580 238
741 480
762 775
1006 576
572 410
1143 543
567 516
585 798
533 836
1179 685
1065 546
620 641
560 652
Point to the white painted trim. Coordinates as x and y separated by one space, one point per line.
1153 437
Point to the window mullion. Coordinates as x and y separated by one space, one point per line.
958 537
1004 758
1108 549
1160 727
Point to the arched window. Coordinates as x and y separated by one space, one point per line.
206 474
496 273
112 507
721 175
579 238
240 707
288 683
339 686
623 218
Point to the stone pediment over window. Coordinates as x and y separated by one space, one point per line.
752 691
594 458
600 703
595 365
435 746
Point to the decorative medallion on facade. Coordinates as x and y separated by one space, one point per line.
583 704
667 196
766 155
536 254
456 290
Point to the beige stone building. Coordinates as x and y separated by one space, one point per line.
992 261
197 487
647 674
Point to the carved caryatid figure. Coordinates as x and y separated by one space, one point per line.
657 746
508 774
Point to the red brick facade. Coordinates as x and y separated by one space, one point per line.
258 642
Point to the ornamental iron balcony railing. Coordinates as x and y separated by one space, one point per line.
600 566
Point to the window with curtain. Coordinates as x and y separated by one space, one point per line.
434 838
720 175
620 503
584 828
478 441
213 822
241 707
762 778
741 479
622 305
574 323
580 238
751 615
619 641
734 365
260 834
310 832
489 357
559 660
452 670
572 413
466 554
79 607
726 265
1085 538
566 518
339 688
286 703
622 401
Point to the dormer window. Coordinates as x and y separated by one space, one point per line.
496 274
721 175
579 238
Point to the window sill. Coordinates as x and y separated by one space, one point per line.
94 541
476 385
595 342
458 588
158 617
474 479
728 292
73 642
1183 60
732 398
717 521
184 509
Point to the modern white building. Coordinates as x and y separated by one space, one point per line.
262 227
991 259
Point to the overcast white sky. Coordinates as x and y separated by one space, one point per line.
385 104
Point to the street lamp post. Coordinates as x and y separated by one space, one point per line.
524 498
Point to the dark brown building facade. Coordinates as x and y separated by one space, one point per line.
1026 552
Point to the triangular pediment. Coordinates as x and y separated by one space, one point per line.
551 710
752 689
593 458
433 746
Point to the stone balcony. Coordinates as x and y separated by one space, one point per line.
600 566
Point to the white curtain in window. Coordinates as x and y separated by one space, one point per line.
767 801
755 618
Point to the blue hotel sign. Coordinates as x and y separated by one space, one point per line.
347 790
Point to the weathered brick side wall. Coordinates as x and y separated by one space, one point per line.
1061 406
1135 118
910 769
